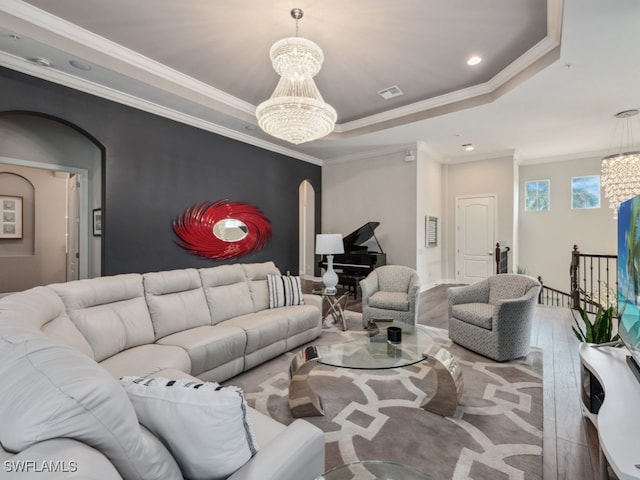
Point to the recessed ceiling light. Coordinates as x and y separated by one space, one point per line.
80 65
474 60
468 147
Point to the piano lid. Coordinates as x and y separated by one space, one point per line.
360 236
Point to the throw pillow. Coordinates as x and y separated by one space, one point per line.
51 391
204 425
284 290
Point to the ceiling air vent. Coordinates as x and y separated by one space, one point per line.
390 92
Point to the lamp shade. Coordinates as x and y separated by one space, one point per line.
329 244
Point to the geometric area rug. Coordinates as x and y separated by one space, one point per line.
495 434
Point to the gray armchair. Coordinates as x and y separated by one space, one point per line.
493 317
391 291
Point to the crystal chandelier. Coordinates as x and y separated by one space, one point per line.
620 175
296 112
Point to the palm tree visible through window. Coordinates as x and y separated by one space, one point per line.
585 192
536 196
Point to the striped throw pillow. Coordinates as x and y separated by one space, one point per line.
284 290
204 425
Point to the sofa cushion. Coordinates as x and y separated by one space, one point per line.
52 391
209 346
227 292
284 291
111 312
256 274
41 309
176 301
390 301
204 425
262 329
145 360
479 314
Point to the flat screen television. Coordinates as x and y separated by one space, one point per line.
629 279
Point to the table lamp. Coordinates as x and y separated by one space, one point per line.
329 244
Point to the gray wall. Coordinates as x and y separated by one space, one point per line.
155 168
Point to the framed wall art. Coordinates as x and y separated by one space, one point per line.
97 222
431 231
10 217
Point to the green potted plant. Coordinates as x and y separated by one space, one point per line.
600 329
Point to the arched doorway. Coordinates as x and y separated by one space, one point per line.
65 165
307 204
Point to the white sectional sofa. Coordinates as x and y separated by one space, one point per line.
63 348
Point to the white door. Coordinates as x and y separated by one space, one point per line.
73 227
475 238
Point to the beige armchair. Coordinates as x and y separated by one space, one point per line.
391 291
493 317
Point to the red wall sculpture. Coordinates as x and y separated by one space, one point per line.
195 229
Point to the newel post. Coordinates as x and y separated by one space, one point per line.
541 289
574 272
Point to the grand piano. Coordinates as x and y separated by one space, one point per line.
357 261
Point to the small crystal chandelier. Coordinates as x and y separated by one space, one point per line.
620 175
296 112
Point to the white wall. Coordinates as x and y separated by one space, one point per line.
43 261
547 238
429 196
381 189
495 176
400 194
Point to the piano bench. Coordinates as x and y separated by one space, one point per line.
351 283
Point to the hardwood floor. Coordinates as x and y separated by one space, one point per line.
570 443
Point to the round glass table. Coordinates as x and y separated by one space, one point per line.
373 351
374 470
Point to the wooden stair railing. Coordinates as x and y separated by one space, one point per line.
593 282
502 258
553 297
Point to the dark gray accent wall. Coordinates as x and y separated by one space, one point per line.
155 168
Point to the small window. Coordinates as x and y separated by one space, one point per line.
585 192
536 196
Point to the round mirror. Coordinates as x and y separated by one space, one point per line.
230 230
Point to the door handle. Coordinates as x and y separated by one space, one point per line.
491 254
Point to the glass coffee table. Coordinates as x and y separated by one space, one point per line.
373 351
374 470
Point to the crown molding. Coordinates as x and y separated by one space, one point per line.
96 43
378 152
171 80
64 79
457 100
